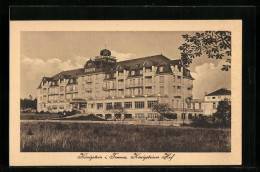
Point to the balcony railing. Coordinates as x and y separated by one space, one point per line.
108 88
134 85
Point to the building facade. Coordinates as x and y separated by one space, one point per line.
134 85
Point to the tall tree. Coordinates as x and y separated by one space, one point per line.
223 115
215 44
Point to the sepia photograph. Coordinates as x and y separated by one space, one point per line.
126 92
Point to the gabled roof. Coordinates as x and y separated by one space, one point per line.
219 92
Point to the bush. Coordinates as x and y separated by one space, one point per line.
42 112
184 124
202 121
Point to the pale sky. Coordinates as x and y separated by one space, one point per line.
48 53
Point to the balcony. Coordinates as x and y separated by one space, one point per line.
108 88
134 85
189 86
72 91
177 94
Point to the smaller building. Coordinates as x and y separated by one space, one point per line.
210 102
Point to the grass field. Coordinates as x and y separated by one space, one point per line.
34 116
78 137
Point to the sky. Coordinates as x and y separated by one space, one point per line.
46 53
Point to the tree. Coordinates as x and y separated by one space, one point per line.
222 117
163 109
215 44
28 103
117 109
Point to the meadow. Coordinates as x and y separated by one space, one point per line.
82 137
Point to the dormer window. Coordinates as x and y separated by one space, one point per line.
90 70
148 69
161 69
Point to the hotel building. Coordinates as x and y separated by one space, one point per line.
133 84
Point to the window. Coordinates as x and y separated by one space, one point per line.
183 116
199 105
161 69
120 73
148 79
152 115
179 89
128 105
148 89
190 116
132 72
108 105
121 82
193 105
148 69
173 103
91 105
208 97
61 107
151 103
99 105
174 116
54 107
214 105
161 79
118 104
188 105
141 72
90 70
121 92
161 89
179 78
62 96
177 104
139 105
213 97
139 115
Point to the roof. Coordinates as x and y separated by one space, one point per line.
219 92
70 73
134 63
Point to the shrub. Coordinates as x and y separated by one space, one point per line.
202 121
184 124
41 112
